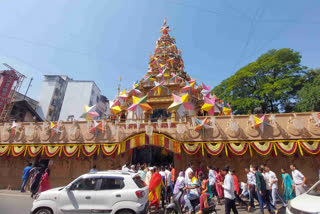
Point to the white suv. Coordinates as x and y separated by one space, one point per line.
101 192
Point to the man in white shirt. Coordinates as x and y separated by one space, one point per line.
186 173
299 180
229 196
125 168
244 190
192 191
163 190
168 184
251 186
272 181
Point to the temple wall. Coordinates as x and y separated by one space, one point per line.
63 169
283 127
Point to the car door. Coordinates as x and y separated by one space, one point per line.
109 192
79 197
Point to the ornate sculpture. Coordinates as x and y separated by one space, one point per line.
74 131
233 129
251 129
295 125
314 123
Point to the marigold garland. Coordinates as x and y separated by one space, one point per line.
109 149
34 150
52 150
4 149
264 149
212 148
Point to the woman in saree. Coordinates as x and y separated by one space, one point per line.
44 183
287 186
219 179
155 189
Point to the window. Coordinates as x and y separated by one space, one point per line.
84 184
111 183
315 191
140 183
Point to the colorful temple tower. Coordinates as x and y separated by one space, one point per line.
166 84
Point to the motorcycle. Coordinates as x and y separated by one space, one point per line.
175 206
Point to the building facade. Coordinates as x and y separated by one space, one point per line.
52 96
77 95
62 97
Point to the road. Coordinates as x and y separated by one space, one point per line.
14 202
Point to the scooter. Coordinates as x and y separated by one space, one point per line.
175 206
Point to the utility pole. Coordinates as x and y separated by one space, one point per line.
28 88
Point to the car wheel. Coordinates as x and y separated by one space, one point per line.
171 211
125 212
43 211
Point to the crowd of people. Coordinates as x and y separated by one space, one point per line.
200 183
36 179
221 184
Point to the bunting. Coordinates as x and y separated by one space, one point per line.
109 149
70 150
34 150
287 148
214 148
89 150
238 148
191 149
160 140
312 147
17 150
52 150
4 149
262 148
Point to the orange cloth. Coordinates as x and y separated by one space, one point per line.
154 181
173 175
155 189
236 184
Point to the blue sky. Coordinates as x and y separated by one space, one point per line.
103 39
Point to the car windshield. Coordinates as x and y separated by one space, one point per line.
315 191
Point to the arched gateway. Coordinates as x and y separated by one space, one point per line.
165 117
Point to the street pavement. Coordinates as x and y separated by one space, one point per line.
15 202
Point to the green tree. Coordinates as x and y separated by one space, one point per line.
309 95
270 83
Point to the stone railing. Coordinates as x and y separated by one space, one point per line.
221 128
